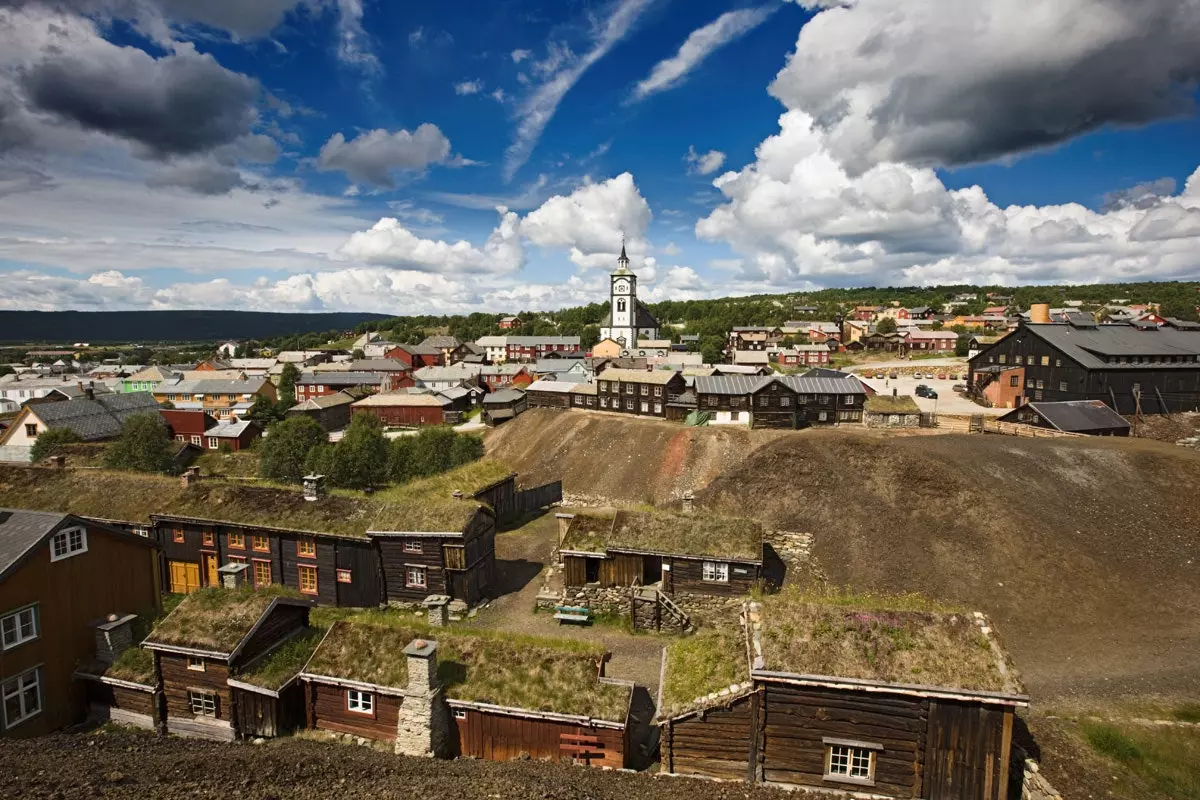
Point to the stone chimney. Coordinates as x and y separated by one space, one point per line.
457 494
58 461
422 725
114 635
314 487
689 502
1039 312
233 576
438 606
564 522
190 476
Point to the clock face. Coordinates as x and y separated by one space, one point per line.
621 287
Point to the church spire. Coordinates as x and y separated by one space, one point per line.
623 260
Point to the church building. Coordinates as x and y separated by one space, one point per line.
628 319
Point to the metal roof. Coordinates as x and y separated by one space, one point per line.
501 396
550 386
659 376
386 399
208 386
324 401
1076 416
378 365
1088 346
750 384
343 378
229 430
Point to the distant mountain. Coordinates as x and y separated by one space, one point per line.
165 326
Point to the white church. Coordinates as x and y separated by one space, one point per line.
628 320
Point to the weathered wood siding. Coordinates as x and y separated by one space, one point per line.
178 680
120 697
687 575
363 590
715 744
263 715
324 561
968 751
502 497
500 737
327 711
283 622
394 561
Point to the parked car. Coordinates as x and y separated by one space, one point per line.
879 376
923 390
953 376
959 387
941 376
893 375
931 394
918 376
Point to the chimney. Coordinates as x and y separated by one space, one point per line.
90 393
1039 313
457 494
422 724
564 522
314 487
190 476
894 391
58 462
233 576
114 635
689 502
438 606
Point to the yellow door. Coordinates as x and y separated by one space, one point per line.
185 576
211 577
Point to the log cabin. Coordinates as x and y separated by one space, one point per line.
680 554
892 703
60 577
433 691
640 392
780 401
212 662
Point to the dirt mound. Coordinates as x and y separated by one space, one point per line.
1167 428
609 457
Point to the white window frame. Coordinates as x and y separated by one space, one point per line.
213 443
359 702
195 664
70 547
412 546
844 761
715 572
202 704
18 636
411 570
460 713
18 687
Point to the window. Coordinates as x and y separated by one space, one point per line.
145 532
785 402
1003 359
1014 381
711 402
306 547
209 538
262 573
343 576
19 627
203 704
262 544
412 545
823 416
22 697
848 762
237 540
629 405
645 407
1041 384
1058 362
195 664
629 388
1029 383
645 390
308 579
414 577
1045 361
604 402
620 305
177 535
716 572
848 400
196 440
360 702
591 401
762 400
460 713
1018 360
31 430
68 543
604 386
1062 386
658 408
213 443
237 559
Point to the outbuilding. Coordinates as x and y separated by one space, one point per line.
892 411
1091 417
402 409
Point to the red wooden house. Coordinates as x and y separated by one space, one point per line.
188 426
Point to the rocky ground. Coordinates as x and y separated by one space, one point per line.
121 764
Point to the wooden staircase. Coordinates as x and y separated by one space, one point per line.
664 608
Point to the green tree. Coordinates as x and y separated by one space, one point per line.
466 448
143 446
282 454
360 459
712 348
432 451
5 369
885 325
319 460
51 442
400 459
265 412
287 385
963 345
358 354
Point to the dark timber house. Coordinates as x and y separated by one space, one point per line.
1091 417
212 657
641 392
891 703
1131 368
433 691
780 401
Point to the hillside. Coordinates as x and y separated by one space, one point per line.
98 327
1084 552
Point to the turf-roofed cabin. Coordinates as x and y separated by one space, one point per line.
893 703
480 696
679 553
226 661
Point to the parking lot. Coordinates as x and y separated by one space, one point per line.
947 402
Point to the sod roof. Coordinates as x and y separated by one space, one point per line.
283 663
423 505
519 672
886 404
699 535
217 620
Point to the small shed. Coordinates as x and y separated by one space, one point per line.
403 408
549 394
1091 417
892 411
503 404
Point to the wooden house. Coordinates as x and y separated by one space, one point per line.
403 408
884 702
331 412
549 394
91 417
780 401
1090 417
433 691
888 411
680 554
211 655
503 404
641 392
59 576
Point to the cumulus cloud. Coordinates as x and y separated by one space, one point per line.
704 163
468 87
592 221
374 156
699 45
1142 195
942 82
203 177
241 19
389 243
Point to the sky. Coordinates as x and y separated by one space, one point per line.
448 157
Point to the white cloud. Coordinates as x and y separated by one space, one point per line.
699 45
416 37
353 44
592 221
373 156
520 55
704 163
936 82
539 108
671 249
499 96
388 243
468 87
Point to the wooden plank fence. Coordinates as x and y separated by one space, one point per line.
539 497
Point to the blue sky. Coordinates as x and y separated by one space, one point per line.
352 154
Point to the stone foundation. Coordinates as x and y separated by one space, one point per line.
1034 785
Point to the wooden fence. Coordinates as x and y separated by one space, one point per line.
1028 431
538 497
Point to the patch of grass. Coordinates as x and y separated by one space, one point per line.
1166 758
284 662
216 619
677 534
1188 712
710 660
242 464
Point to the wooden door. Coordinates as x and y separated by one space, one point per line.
966 754
211 578
185 576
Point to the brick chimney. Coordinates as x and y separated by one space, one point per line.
438 606
190 476
314 487
114 635
422 724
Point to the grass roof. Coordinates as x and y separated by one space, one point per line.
886 404
216 619
891 640
700 534
482 667
429 504
709 661
283 663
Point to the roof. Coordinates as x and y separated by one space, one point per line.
750 384
517 672
698 535
378 365
529 341
456 392
399 399
931 335
1075 416
219 620
440 342
284 663
73 390
887 404
751 357
737 369
230 429
252 363
584 388
654 344
457 372
1089 346
825 372
502 396
97 418
324 401
557 365
421 349
340 378
154 373
211 386
659 377
21 531
558 387
504 369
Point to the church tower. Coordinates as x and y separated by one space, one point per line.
628 320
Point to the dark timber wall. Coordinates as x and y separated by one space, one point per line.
326 706
501 737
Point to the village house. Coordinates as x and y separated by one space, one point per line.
780 401
252 367
502 405
509 323
644 393
570 370
607 348
331 411
187 426
1150 371
801 355
753 358
413 356
866 313
93 418
931 341
583 396
320 384
1091 417
549 394
505 376
202 649
232 435
444 345
891 411
60 577
387 366
437 378
432 691
827 701
403 409
224 399
147 380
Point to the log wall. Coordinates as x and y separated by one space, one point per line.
327 711
501 737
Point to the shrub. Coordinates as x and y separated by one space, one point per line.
360 459
284 452
143 446
51 442
1112 743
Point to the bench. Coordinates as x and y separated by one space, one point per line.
572 614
